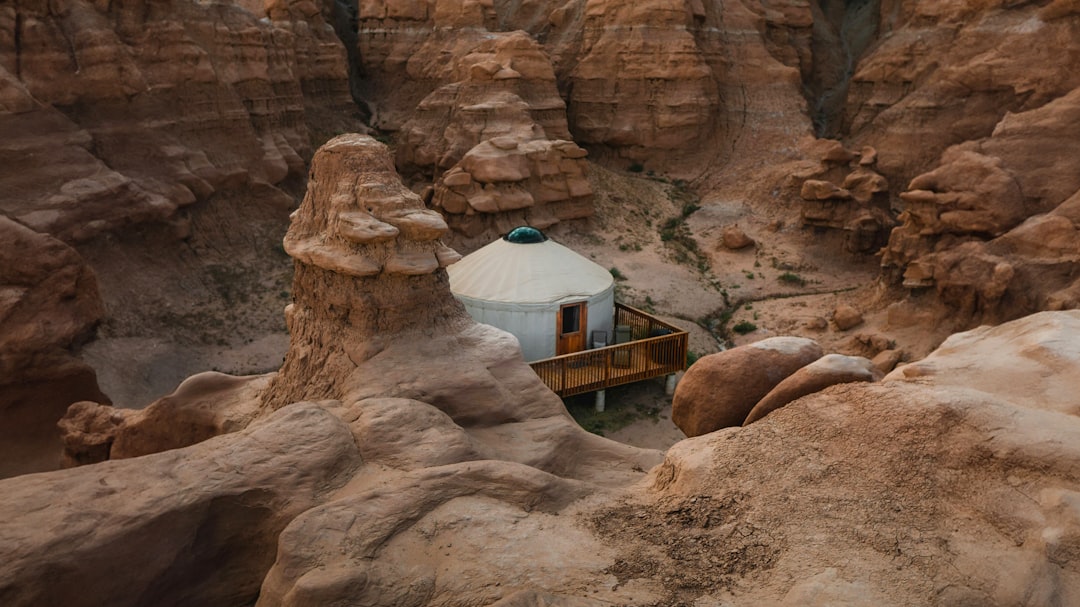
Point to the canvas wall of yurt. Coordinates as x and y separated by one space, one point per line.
548 296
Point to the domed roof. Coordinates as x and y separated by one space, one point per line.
534 269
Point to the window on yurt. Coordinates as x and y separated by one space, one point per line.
571 319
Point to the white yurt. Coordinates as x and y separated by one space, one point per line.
549 297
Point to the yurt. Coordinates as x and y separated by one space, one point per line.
546 295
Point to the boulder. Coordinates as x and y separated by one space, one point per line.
824 372
846 317
886 360
719 390
734 238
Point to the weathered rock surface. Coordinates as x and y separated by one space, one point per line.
122 114
993 229
657 82
95 89
187 526
49 303
201 407
431 454
943 73
951 486
442 414
719 390
826 371
734 238
844 192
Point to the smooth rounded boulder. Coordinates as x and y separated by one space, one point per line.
826 371
719 390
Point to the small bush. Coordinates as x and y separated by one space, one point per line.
689 208
749 275
743 327
792 279
617 275
637 167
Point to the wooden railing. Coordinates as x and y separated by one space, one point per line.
656 348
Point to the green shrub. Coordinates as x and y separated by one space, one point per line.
743 327
637 167
792 279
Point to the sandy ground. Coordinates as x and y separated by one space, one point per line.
653 433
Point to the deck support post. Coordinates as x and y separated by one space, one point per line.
669 385
600 401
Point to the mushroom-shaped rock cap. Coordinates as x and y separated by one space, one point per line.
359 219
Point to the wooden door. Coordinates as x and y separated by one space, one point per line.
570 327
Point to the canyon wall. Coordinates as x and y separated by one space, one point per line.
126 114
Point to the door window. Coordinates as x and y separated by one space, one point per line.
571 319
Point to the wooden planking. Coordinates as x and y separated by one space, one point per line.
601 368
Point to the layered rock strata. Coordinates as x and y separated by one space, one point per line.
367 253
845 193
94 89
662 83
944 73
992 231
496 144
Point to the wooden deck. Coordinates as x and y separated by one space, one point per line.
656 348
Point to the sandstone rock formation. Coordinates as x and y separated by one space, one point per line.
993 229
844 192
846 317
734 238
495 143
405 455
444 410
490 134
642 82
950 486
115 115
203 406
49 303
944 73
826 371
95 89
187 526
719 390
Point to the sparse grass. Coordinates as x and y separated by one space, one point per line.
792 278
617 413
749 275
